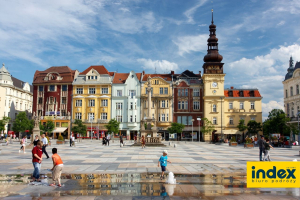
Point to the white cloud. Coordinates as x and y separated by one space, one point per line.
267 107
282 22
186 44
124 9
190 12
162 66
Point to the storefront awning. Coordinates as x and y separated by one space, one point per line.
60 129
229 132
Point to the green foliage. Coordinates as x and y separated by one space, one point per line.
233 139
145 125
253 127
176 128
48 127
47 138
3 122
21 123
60 138
241 126
277 123
80 128
112 126
208 127
31 125
248 140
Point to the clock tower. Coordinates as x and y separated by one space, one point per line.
213 81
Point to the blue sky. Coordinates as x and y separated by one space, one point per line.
256 38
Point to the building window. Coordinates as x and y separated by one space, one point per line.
92 77
163 117
119 118
119 106
163 103
253 118
51 88
166 90
161 90
152 116
64 88
40 100
41 88
186 92
156 82
292 112
63 100
167 117
78 103
57 124
190 120
196 105
288 109
104 103
51 100
179 92
92 103
286 94
231 121
104 90
92 90
131 93
184 120
77 116
179 105
104 116
214 108
131 106
131 118
297 89
230 105
119 93
196 92
63 113
134 118
241 105
291 91
91 116
79 90
179 119
214 120
252 105
186 105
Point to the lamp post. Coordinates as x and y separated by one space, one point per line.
199 119
298 127
192 129
222 136
91 126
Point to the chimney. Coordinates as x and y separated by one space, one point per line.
200 73
172 72
231 87
143 73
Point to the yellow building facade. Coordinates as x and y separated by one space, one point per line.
161 97
92 99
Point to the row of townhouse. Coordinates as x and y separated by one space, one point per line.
96 95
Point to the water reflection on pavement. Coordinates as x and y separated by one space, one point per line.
138 186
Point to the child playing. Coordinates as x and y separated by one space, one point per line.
163 163
267 150
57 167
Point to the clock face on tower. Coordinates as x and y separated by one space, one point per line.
214 84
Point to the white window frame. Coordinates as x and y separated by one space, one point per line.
119 93
161 90
215 120
104 116
91 115
163 103
196 105
230 120
92 103
79 90
104 102
241 105
119 106
163 117
196 92
78 115
104 90
252 105
78 103
230 105
214 109
92 90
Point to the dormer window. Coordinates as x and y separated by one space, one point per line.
92 77
95 77
89 77
251 93
241 93
230 93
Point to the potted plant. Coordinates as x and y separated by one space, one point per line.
248 143
60 140
233 142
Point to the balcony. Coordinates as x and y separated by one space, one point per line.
131 123
293 119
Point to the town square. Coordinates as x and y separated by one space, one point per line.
149 99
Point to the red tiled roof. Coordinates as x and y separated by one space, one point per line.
246 93
120 78
139 75
65 72
166 77
99 68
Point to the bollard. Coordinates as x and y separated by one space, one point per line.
175 145
169 143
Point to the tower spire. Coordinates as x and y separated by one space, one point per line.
212 16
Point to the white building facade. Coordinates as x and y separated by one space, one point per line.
126 103
15 96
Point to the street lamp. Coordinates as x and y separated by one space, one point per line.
298 127
192 129
91 126
222 136
199 119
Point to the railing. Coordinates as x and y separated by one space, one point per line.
293 119
150 139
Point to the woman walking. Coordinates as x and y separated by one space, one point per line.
143 142
23 143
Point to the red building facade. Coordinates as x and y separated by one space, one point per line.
52 97
188 104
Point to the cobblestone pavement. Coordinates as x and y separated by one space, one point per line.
186 157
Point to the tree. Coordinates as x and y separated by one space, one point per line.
253 127
208 127
3 123
48 127
241 126
80 128
277 123
112 126
21 123
176 128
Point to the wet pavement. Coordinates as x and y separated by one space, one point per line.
93 171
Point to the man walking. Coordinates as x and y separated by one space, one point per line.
261 145
37 160
45 144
